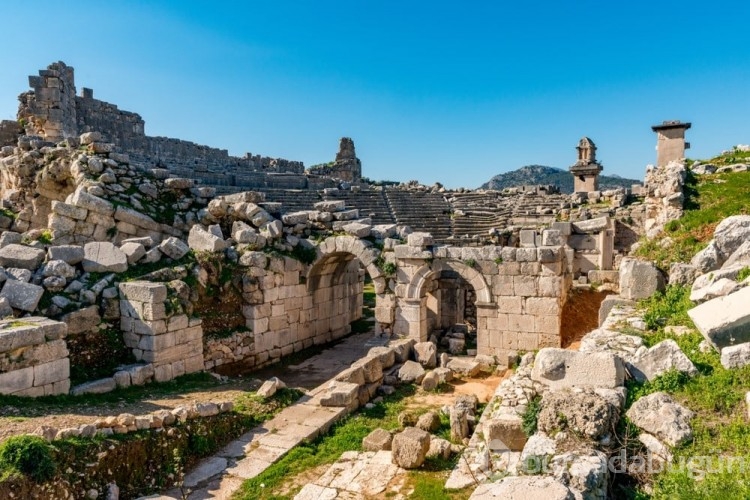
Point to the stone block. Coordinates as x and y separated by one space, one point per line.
133 252
410 447
54 371
639 279
104 257
723 321
16 380
95 387
143 291
70 254
21 256
82 199
340 394
377 440
591 226
425 354
201 240
504 433
527 238
562 369
20 295
174 248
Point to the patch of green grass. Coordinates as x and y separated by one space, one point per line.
743 274
28 455
38 406
531 415
669 307
431 487
344 436
708 200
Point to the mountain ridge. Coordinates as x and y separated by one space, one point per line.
542 174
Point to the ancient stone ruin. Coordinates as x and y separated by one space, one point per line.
194 260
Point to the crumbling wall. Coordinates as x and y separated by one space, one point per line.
664 195
33 357
170 341
519 292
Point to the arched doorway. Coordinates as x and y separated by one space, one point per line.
335 283
441 295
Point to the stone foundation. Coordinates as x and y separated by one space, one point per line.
172 343
33 357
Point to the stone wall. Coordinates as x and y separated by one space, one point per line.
33 357
172 343
664 186
519 292
53 111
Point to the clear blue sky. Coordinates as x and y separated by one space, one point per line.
436 91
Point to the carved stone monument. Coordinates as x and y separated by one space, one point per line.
586 169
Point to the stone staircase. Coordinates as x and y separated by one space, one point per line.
293 200
371 204
422 211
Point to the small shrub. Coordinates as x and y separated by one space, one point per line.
530 416
29 455
470 262
389 268
743 274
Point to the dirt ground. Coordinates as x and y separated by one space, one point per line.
26 418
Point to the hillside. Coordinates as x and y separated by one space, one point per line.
540 174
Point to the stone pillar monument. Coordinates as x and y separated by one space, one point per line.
670 141
50 109
586 169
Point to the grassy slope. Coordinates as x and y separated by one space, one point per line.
709 199
715 394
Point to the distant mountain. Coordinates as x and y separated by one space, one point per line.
539 174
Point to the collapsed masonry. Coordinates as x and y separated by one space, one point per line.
102 233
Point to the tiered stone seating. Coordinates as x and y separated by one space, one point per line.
422 211
293 200
371 203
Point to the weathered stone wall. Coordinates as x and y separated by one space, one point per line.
664 187
33 357
53 111
519 292
50 109
172 343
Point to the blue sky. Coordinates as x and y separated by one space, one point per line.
435 91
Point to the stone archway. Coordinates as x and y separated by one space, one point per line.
335 282
415 307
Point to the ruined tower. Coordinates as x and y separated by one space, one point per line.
586 169
670 141
347 166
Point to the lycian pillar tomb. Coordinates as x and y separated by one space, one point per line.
586 169
670 141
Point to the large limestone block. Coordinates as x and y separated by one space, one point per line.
724 321
174 248
426 354
609 303
647 364
340 394
82 199
372 367
560 369
411 372
71 254
201 240
523 488
639 279
504 433
660 415
95 387
20 295
731 233
104 257
740 257
410 447
591 225
21 256
735 356
377 440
